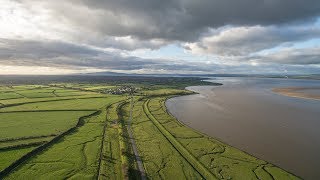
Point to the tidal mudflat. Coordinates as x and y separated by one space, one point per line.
247 114
300 92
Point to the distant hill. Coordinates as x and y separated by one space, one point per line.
107 73
292 76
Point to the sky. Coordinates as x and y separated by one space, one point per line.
160 36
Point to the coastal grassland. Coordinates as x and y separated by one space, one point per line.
30 93
28 86
84 134
224 161
17 125
75 155
84 87
24 142
161 160
129 158
182 150
10 155
99 87
69 104
164 92
115 162
50 92
36 93
63 93
110 165
9 95
20 101
22 132
41 116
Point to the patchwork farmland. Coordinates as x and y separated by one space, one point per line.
85 131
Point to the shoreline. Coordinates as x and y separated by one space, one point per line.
218 139
281 165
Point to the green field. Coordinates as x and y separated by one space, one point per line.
75 156
31 124
80 131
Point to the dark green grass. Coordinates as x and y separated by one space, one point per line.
113 155
161 160
18 142
110 167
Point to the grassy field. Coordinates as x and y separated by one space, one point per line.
74 156
161 159
78 131
11 155
19 125
110 164
41 118
73 104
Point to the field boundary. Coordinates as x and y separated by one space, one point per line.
198 166
19 146
51 100
134 146
102 142
25 138
32 153
124 146
61 110
104 136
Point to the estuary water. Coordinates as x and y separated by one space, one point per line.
246 114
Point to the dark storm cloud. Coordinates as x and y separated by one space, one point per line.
215 13
183 20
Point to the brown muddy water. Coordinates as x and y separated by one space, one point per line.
245 113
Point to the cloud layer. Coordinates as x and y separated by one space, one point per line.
173 19
244 40
242 36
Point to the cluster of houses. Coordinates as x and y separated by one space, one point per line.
121 90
